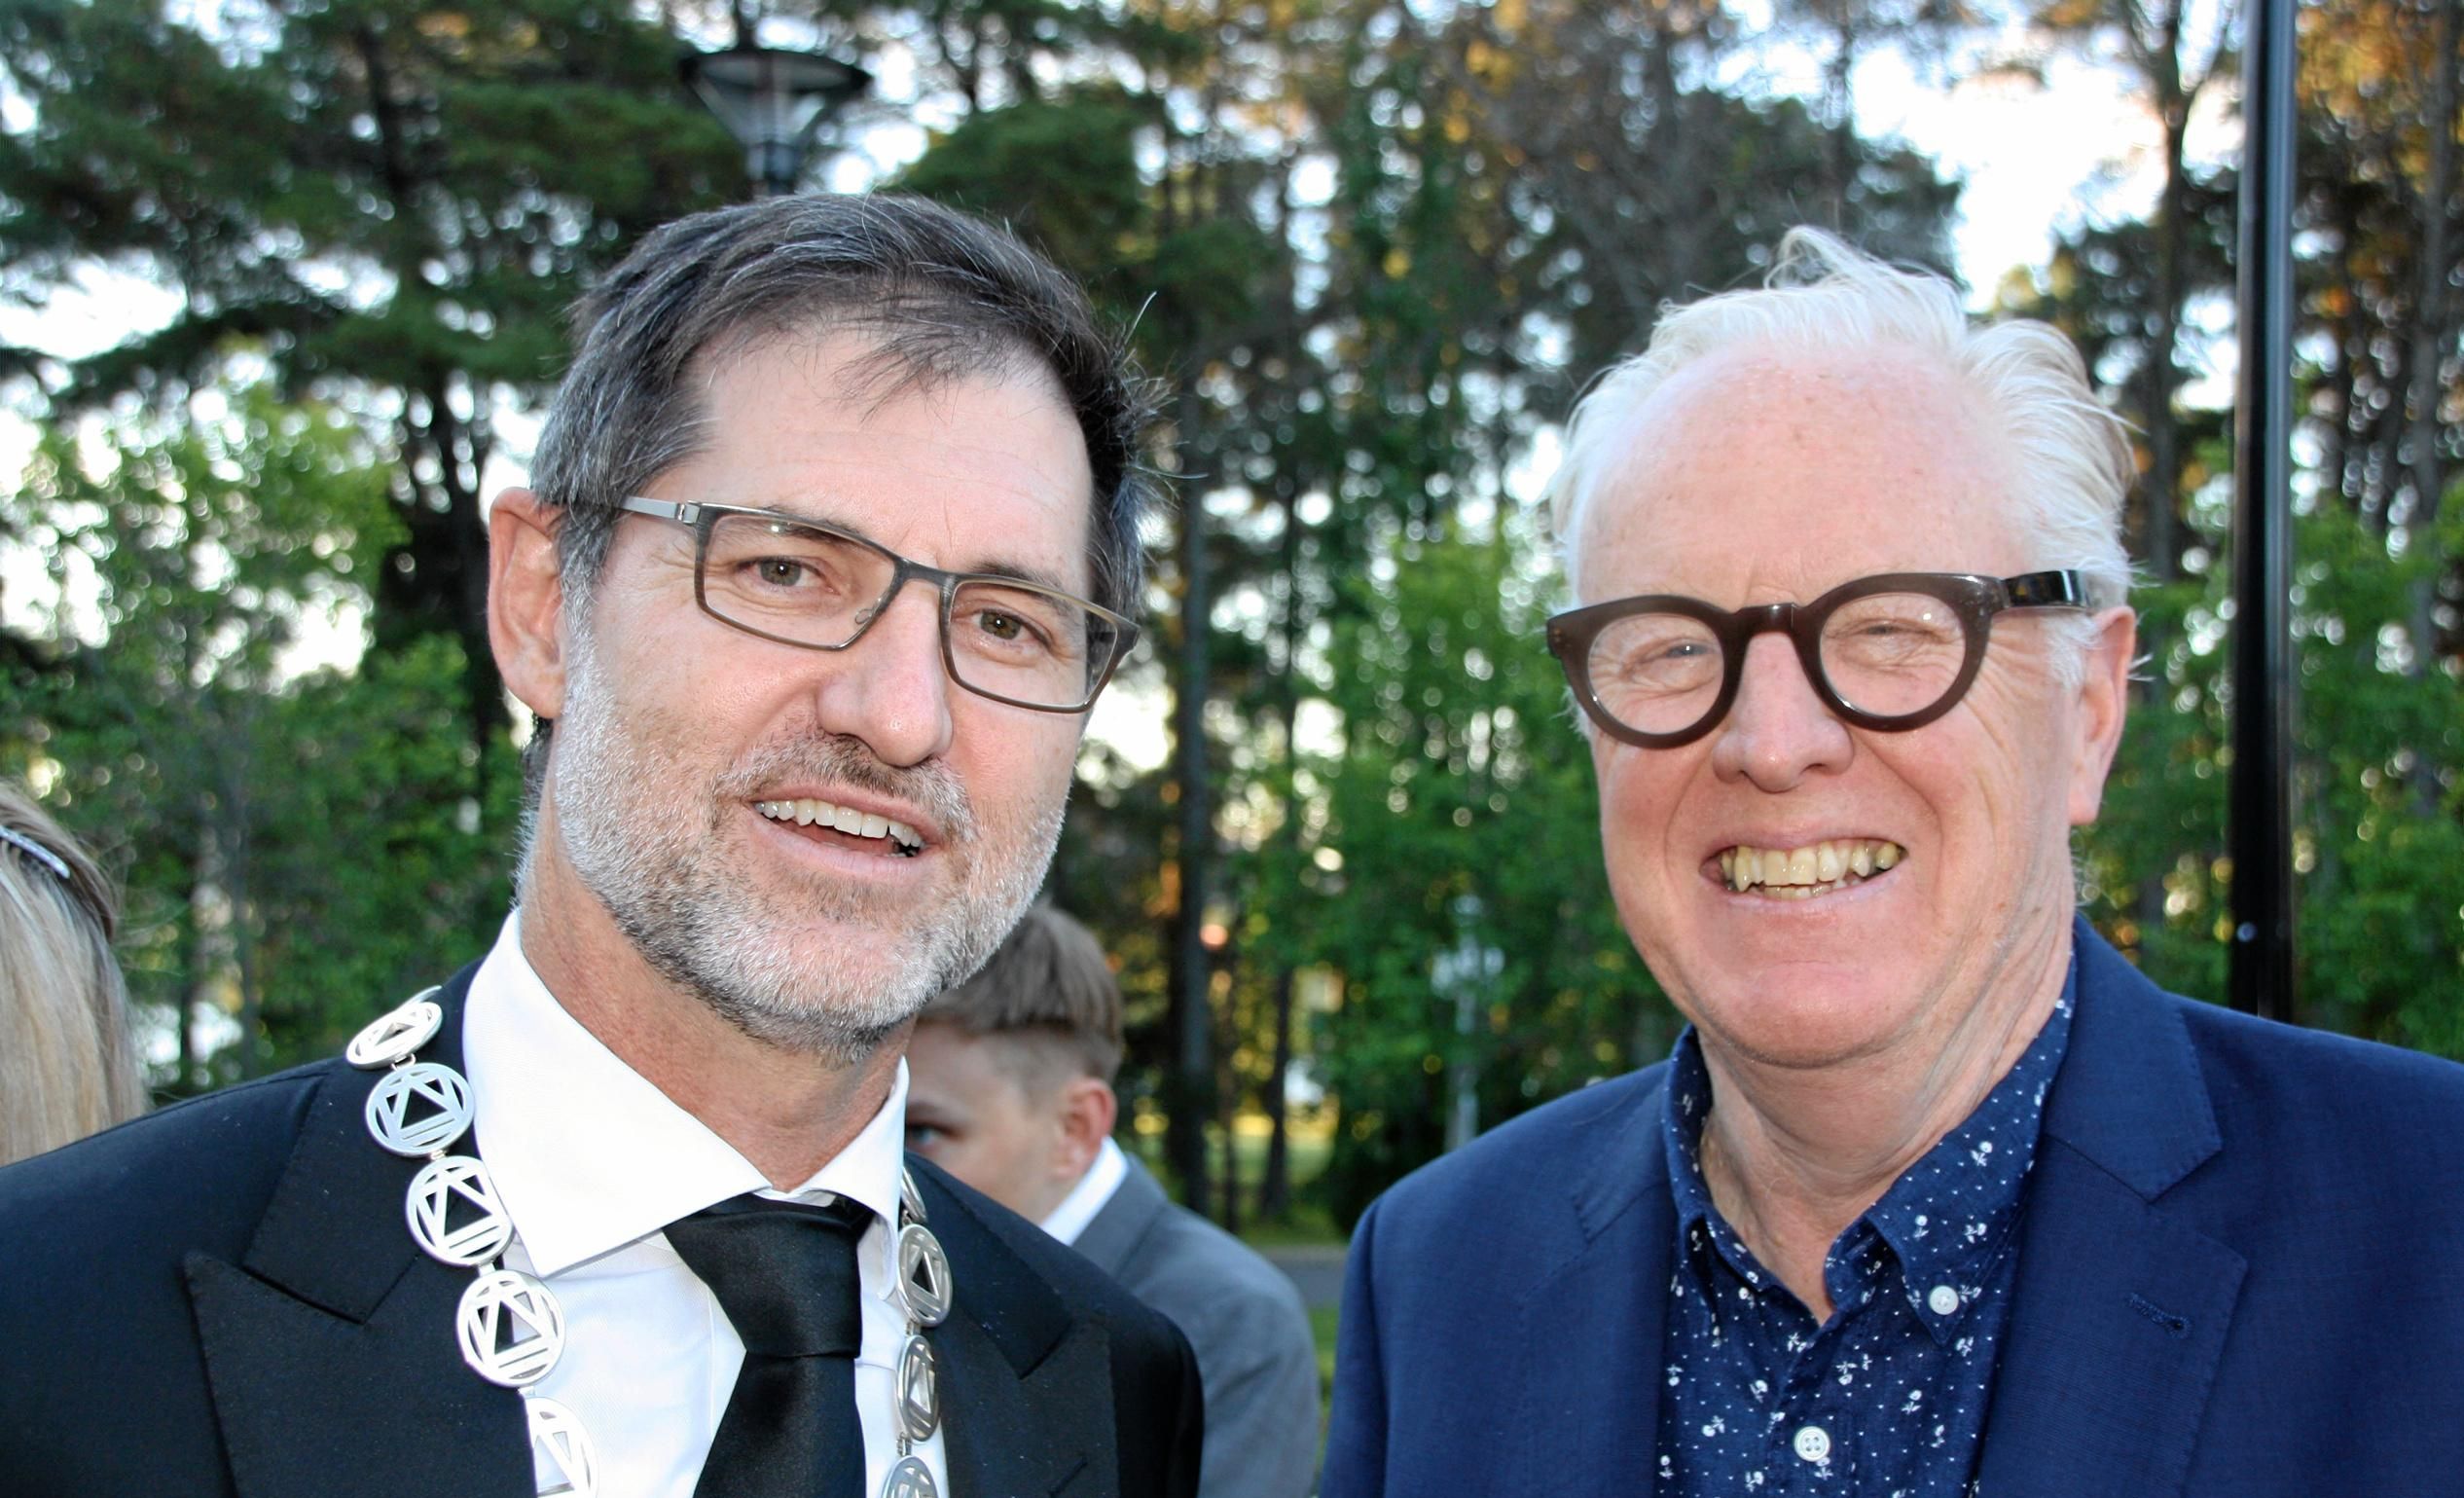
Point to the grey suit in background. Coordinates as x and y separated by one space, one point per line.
1245 1321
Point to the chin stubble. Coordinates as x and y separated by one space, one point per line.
699 925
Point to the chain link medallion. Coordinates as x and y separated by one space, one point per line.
392 1037
420 1109
910 1200
510 1328
924 1275
457 1185
561 1449
910 1479
919 1391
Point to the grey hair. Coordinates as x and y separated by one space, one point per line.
938 295
68 1066
2074 453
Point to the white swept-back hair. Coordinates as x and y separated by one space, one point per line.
2074 453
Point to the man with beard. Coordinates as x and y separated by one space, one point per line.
834 528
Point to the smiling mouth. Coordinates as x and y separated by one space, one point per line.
896 838
1817 869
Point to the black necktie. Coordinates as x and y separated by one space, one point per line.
785 1272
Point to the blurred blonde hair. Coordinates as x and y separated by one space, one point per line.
69 1065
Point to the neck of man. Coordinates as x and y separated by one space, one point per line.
787 1111
1793 1155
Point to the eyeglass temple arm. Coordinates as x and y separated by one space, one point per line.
684 514
2064 589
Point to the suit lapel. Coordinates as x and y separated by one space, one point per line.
1015 1369
2121 1308
330 1346
1607 1265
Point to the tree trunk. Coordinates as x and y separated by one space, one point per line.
1189 1102
232 834
2163 483
2162 487
1228 1091
1839 139
1274 1188
189 980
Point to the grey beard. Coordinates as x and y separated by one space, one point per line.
699 926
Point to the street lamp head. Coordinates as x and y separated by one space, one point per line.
774 102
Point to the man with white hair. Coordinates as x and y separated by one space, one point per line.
1936 1196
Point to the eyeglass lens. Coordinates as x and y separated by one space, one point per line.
1009 639
1888 655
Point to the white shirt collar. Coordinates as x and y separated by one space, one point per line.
588 1155
1093 1192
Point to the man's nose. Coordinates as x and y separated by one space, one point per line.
890 689
1778 730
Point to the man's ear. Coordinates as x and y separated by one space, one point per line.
526 600
1087 1111
2103 702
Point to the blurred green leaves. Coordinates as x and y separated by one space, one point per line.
301 836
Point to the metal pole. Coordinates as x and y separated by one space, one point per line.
2263 675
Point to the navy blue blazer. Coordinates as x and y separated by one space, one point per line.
2241 1272
222 1301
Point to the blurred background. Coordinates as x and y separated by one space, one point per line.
281 289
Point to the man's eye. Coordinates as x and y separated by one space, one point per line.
779 571
922 1136
1004 627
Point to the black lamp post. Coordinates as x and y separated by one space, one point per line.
775 102
2264 677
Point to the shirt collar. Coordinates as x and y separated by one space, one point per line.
1947 1218
1688 1104
1091 1195
1700 1228
588 1155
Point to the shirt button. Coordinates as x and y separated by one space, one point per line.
1813 1444
1943 1299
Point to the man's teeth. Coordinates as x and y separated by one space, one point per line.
1795 873
805 813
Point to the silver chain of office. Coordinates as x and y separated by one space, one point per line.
510 1328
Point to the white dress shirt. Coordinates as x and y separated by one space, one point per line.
591 1162
1093 1192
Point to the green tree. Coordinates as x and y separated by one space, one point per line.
1460 876
390 203
299 844
2379 565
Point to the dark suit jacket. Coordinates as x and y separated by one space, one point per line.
1245 1321
2241 1274
223 1299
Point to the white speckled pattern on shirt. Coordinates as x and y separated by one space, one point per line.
1888 1399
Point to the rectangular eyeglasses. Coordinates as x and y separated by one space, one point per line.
801 582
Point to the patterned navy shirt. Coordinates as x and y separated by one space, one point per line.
1888 1397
